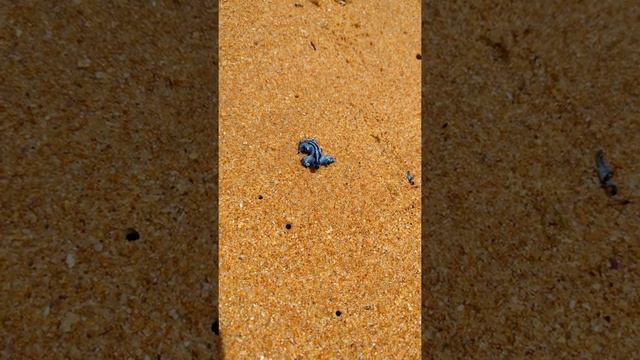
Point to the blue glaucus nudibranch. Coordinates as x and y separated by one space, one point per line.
605 174
314 158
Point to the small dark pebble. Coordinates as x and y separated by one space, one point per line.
613 263
132 235
338 313
444 126
260 197
418 56
607 318
288 226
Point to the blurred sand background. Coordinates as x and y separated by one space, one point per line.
349 76
524 255
107 123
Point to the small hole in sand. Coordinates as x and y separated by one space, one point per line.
260 197
288 226
132 235
419 57
215 327
338 313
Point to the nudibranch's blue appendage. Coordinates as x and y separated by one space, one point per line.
314 158
605 174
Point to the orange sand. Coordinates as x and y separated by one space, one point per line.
348 76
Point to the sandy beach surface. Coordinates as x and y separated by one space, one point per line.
109 212
344 280
525 256
107 131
